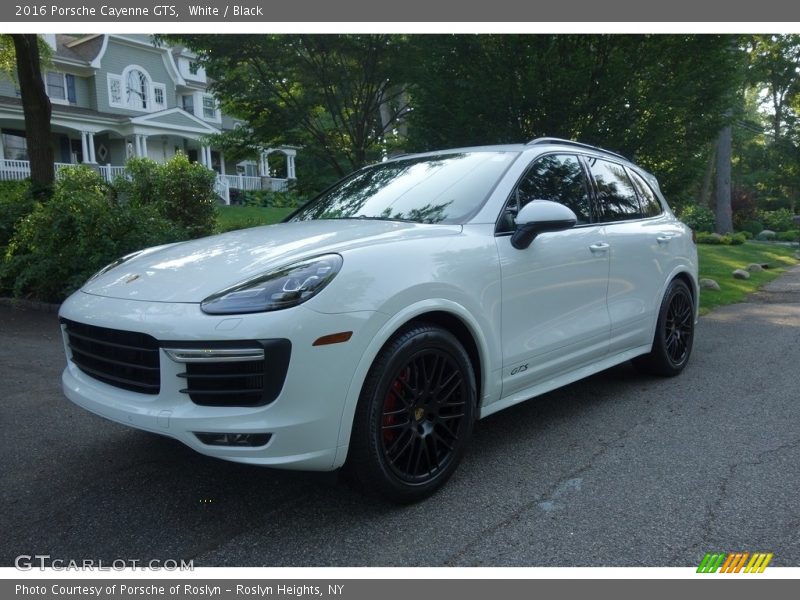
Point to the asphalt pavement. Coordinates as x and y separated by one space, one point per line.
616 470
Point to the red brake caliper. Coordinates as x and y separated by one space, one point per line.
390 405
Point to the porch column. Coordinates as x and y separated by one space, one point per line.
84 148
137 145
221 163
290 174
144 145
263 165
90 142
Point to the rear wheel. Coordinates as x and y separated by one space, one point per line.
414 416
672 343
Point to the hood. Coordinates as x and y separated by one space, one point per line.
192 271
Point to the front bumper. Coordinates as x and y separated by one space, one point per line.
303 422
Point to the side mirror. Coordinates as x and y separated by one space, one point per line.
540 216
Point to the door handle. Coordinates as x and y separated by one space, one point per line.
664 238
599 247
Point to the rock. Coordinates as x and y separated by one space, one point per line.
766 235
755 268
741 274
709 284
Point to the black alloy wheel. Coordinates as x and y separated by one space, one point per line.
415 415
674 336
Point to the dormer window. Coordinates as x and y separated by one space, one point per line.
136 90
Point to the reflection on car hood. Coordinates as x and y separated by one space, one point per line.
192 271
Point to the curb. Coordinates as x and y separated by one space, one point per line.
22 304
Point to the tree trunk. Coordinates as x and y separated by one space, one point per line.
704 199
724 216
37 110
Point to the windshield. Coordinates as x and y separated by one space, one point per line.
446 188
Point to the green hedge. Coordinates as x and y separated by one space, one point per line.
725 240
49 249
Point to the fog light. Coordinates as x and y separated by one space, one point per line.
233 439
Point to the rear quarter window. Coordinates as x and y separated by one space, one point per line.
651 207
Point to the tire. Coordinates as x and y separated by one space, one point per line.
414 416
674 336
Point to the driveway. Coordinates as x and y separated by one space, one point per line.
619 469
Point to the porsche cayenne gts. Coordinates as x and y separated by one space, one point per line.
379 321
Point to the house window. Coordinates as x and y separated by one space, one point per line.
15 147
114 90
193 67
137 90
188 103
56 86
159 96
209 107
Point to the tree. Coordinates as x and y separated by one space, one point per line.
333 94
35 105
659 99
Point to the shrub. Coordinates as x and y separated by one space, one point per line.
744 208
717 239
16 202
270 199
748 235
752 227
80 230
181 191
788 236
777 220
699 218
709 238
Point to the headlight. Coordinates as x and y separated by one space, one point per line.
114 264
281 288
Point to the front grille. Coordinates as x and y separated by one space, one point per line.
238 382
124 359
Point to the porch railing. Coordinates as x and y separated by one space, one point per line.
18 170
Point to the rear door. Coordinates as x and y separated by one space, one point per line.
639 234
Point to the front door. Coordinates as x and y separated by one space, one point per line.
554 311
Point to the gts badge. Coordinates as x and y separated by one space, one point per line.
519 369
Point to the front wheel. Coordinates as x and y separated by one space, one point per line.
414 416
672 343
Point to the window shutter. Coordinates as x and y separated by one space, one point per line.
71 88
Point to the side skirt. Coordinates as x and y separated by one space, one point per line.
563 379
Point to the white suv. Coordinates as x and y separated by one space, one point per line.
373 327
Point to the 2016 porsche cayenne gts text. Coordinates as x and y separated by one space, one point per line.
375 325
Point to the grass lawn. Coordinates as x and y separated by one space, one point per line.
239 217
718 262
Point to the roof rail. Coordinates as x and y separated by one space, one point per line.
553 140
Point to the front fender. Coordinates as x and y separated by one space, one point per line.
491 385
